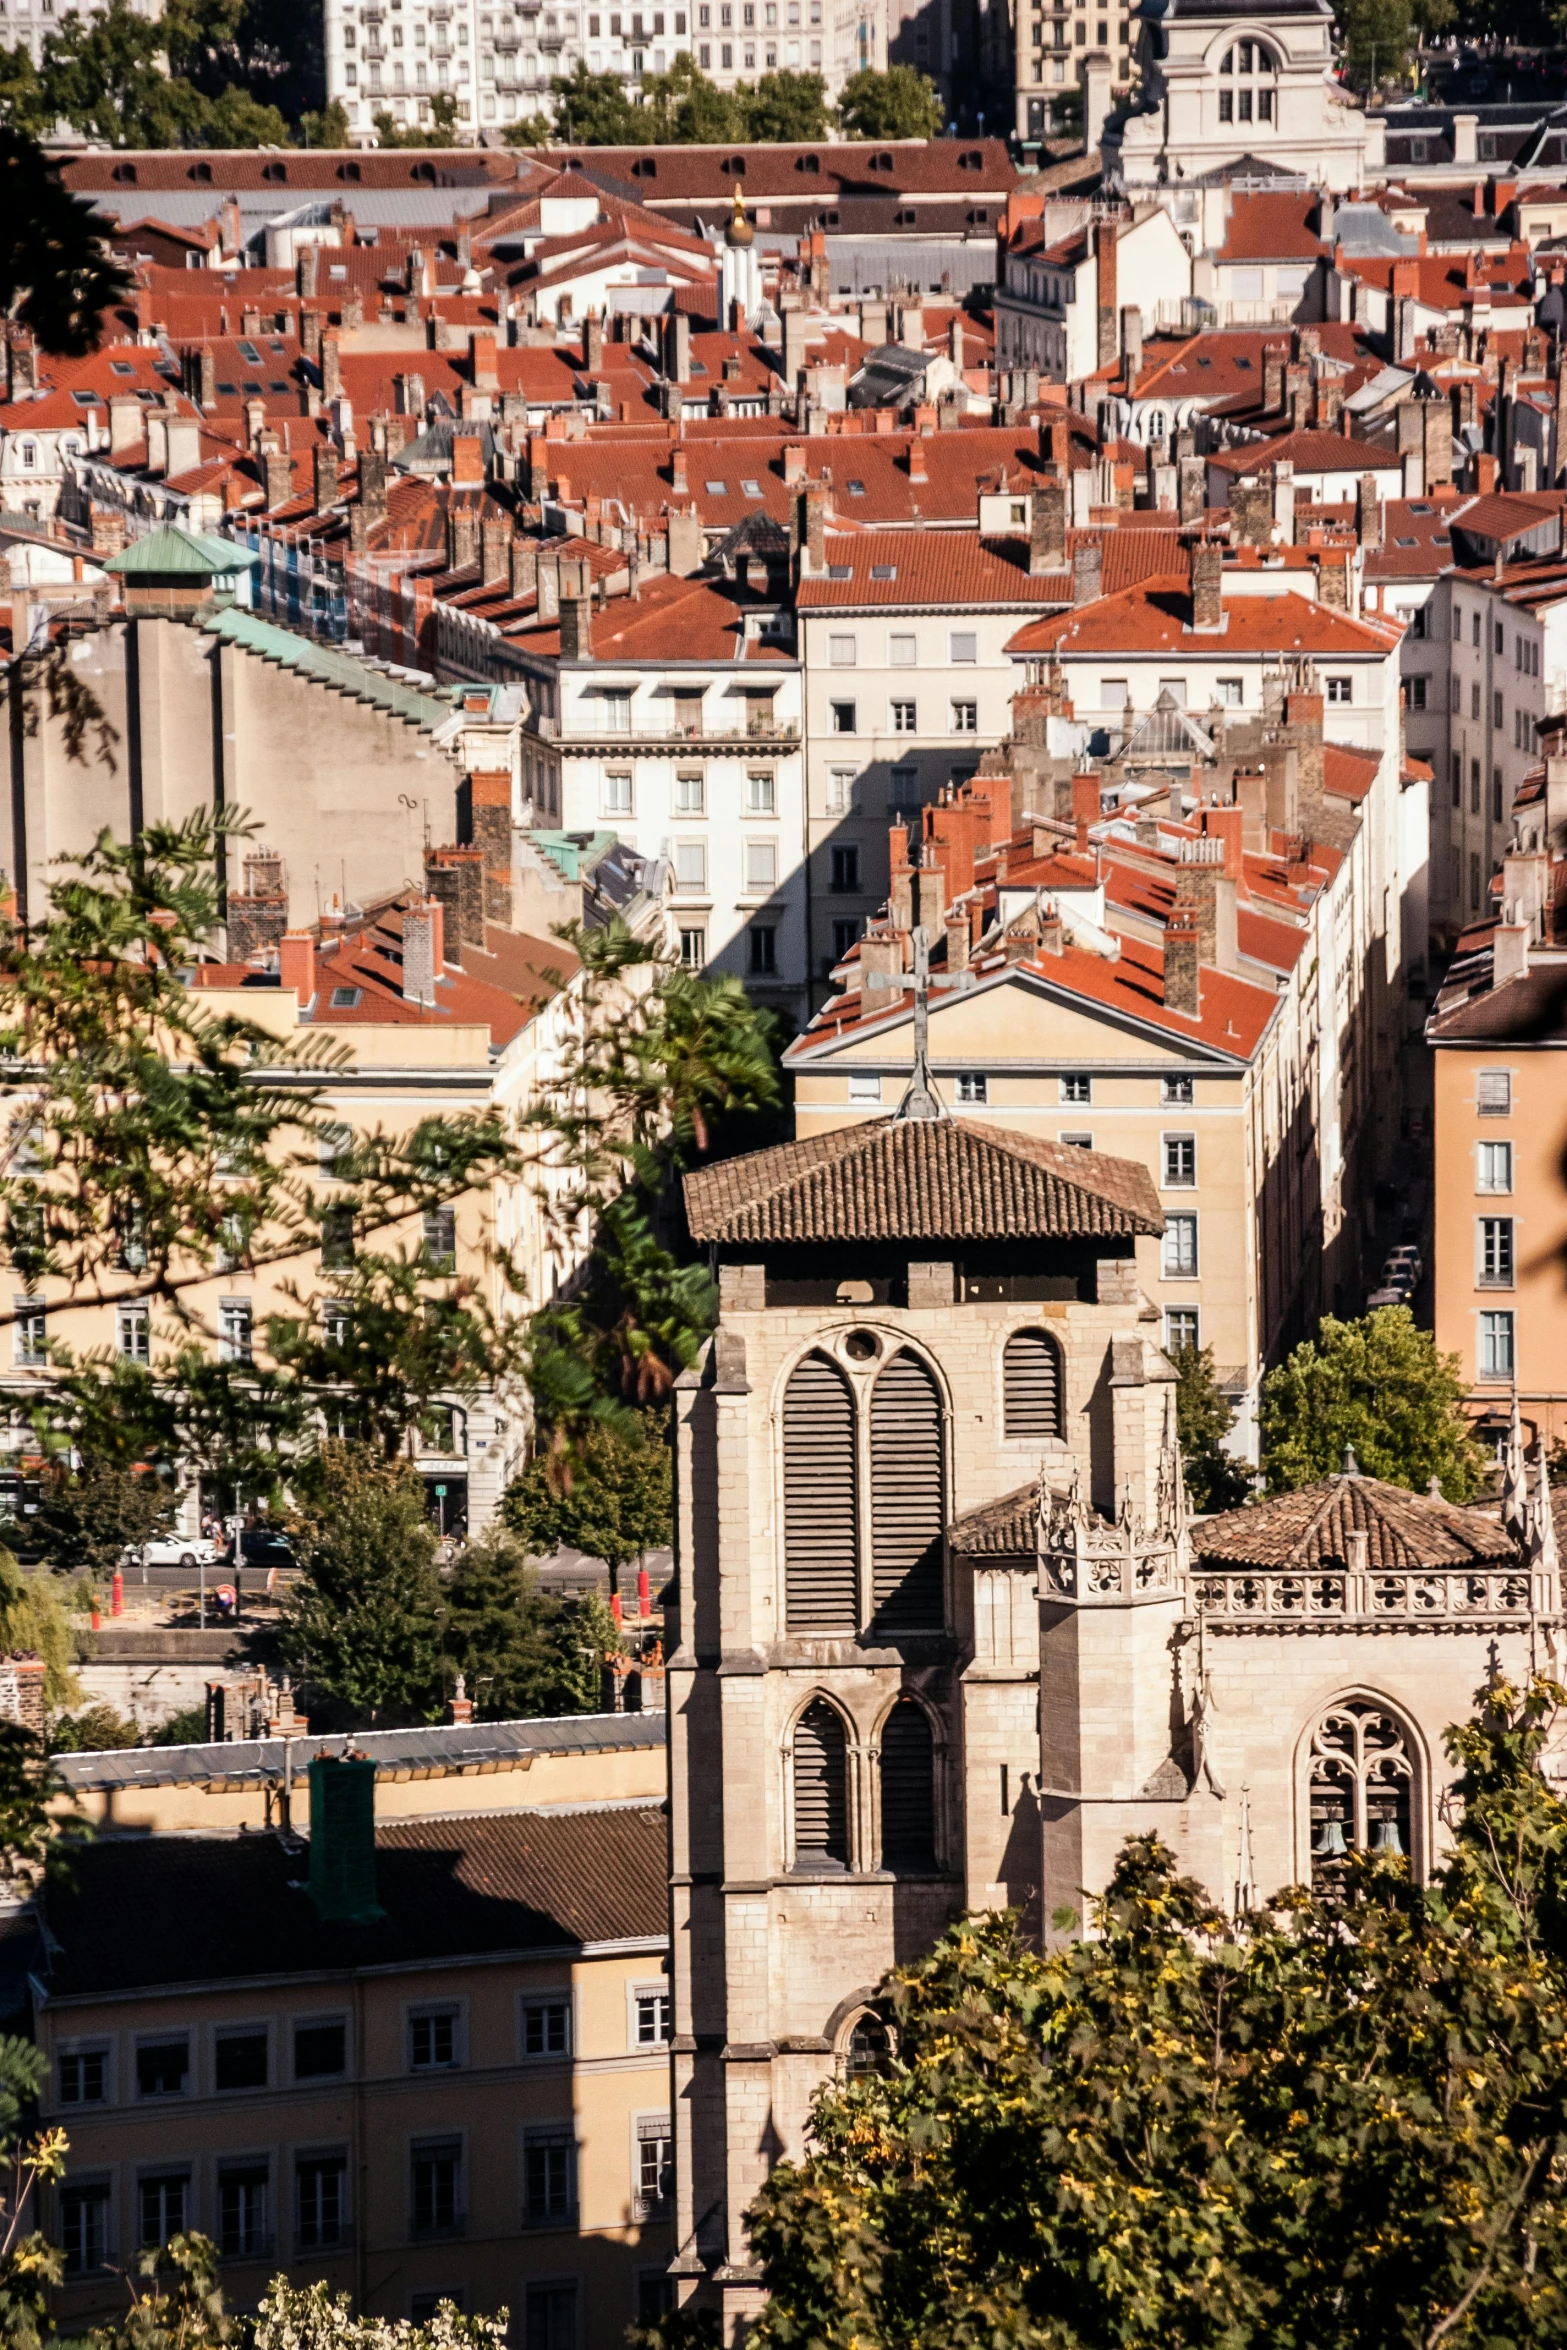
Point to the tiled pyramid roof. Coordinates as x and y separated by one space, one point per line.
1307 1529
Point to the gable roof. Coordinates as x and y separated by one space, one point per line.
921 1179
1308 1528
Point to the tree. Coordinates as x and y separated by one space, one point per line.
29 2158
57 277
785 106
441 133
34 1622
305 2317
530 130
898 104
1215 1480
1379 1386
89 1517
1379 42
363 1624
97 1729
107 75
519 1650
683 106
592 110
1333 2124
326 127
616 1499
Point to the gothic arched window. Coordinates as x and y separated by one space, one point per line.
820 1500
1362 1785
1031 1385
821 1790
869 2046
908 1790
908 1515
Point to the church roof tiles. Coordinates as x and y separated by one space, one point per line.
1308 1529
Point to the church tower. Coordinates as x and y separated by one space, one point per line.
933 1396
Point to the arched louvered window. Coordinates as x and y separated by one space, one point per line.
1031 1384
908 1789
821 1790
907 1497
820 1545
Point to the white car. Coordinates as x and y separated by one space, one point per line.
176 1550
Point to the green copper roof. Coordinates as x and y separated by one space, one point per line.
338 671
170 552
570 853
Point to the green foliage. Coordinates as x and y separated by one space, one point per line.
1215 1480
1337 2124
1378 1385
56 276
519 1650
89 1517
611 1502
34 1620
592 110
179 2305
1379 38
97 1729
305 2317
363 1624
530 130
785 106
31 1808
327 128
682 107
186 1728
442 130
29 2158
901 103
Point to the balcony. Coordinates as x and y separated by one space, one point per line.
549 39
652 738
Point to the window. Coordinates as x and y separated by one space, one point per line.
693 949
549 2175
845 870
974 1090
1180 1328
655 2180
1077 1089
691 794
549 2312
614 709
1494 1166
320 2201
903 786
435 2180
84 2076
908 1790
905 718
821 1808
30 1342
761 793
1457 780
965 718
1474 699
690 865
242 2211
1361 1782
163 2198
1341 689
234 1322
844 936
320 2050
1414 691
546 2027
1496 1346
1231 692
1494 1252
1419 622
344 999
652 2016
84 2226
843 718
902 650
908 1511
1176 1093
1498 715
1076 1142
239 2060
820 1481
332 1141
1226 105
1498 644
1496 794
1474 883
432 2039
864 1089
1180 1247
962 647
617 794
162 2067
133 1334
1494 1093
841 652
761 866
840 791
1031 1386
762 946
1180 1162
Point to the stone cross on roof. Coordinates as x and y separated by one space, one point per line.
921 1099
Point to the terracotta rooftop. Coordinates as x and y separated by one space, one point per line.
1008 1528
1308 1529
921 1179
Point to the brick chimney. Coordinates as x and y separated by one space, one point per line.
813 534
793 464
1108 339
679 480
1087 572
576 628
462 537
326 476
1368 512
523 565
1047 527
280 477
494 546
296 962
424 950
1181 965
489 815
467 460
1207 577
331 369
917 458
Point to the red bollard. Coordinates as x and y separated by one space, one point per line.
644 1593
117 1596
97 1619
614 1606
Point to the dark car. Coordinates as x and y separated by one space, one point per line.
264 1547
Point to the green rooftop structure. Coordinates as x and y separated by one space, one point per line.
179 569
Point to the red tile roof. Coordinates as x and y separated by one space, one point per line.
1156 617
962 569
1264 226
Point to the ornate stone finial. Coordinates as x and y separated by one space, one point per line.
1351 1466
1515 1481
739 231
1245 1875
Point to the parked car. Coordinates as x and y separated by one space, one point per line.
265 1547
175 1550
1386 1297
1408 1256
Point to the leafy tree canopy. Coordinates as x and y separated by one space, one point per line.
520 1651
363 1623
1335 2124
1215 1480
682 107
1380 1386
441 131
613 1504
56 276
901 103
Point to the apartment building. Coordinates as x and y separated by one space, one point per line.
1061 301
1497 1038
452 2084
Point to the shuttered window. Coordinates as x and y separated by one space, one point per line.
908 1795
907 1515
821 1804
819 1500
1031 1384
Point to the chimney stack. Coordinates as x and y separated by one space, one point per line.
576 628
1047 527
1207 574
1181 965
424 950
1087 571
